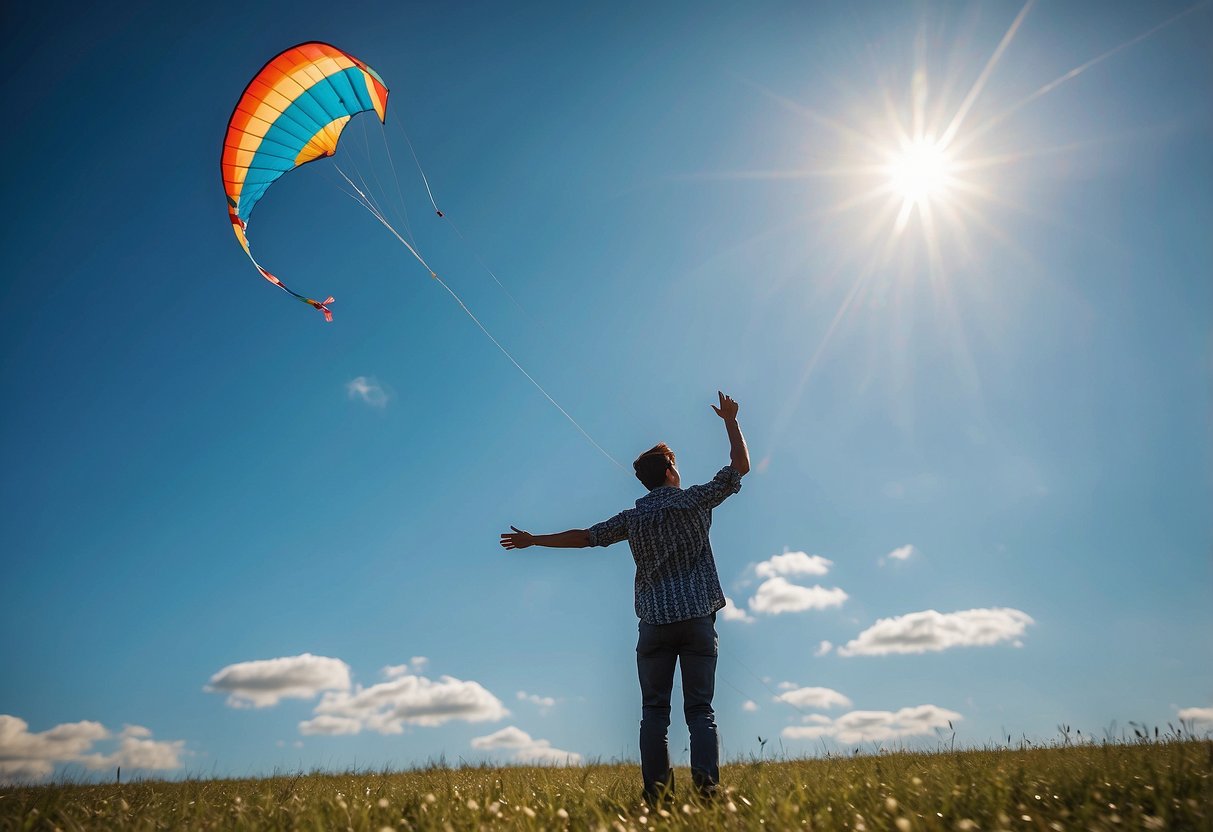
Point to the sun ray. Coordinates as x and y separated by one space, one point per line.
994 120
793 401
807 173
979 84
837 126
1003 159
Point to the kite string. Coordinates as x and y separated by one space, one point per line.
424 179
467 244
443 215
365 203
530 378
401 210
396 179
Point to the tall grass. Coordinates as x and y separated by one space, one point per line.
1166 784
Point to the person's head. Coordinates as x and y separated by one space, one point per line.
655 467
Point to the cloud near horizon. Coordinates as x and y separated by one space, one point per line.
901 553
933 631
1199 716
777 595
27 757
417 664
526 748
793 563
265 682
822 698
405 700
873 726
543 703
731 612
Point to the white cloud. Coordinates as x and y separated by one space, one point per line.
141 753
413 700
931 631
368 390
814 698
1200 716
776 595
732 612
544 703
823 648
510 736
330 725
749 706
344 708
793 563
526 749
787 686
265 682
25 771
873 726
31 757
900 553
417 664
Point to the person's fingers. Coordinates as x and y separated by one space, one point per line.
515 528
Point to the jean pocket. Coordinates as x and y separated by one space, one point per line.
704 639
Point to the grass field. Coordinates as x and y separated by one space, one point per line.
1147 785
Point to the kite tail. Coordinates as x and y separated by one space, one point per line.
240 227
319 305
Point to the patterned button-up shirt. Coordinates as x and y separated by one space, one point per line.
668 531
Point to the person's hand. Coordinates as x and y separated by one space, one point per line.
726 411
518 540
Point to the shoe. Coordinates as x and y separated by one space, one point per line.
660 795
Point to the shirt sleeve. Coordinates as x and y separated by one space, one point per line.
609 531
714 492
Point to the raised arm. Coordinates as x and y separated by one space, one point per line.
571 539
739 454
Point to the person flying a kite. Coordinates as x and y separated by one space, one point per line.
677 593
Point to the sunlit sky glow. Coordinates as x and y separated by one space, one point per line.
952 260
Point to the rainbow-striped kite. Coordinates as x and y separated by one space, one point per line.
291 113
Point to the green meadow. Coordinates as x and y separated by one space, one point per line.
1162 784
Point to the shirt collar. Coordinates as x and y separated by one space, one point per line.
658 494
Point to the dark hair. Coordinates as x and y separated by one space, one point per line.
651 465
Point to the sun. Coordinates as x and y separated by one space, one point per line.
919 172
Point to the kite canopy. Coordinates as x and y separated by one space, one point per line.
291 113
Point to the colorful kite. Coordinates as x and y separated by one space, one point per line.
291 113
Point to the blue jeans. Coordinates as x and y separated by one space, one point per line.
694 644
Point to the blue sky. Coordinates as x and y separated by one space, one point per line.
201 474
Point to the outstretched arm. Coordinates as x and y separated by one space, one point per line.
571 539
739 454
